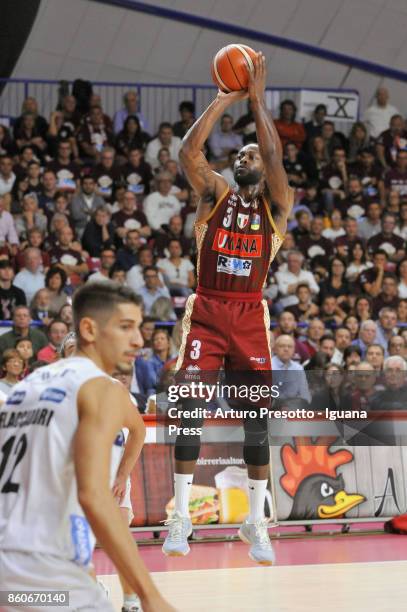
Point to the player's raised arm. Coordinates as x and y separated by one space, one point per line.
101 416
207 183
270 145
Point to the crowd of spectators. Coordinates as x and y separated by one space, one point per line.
85 197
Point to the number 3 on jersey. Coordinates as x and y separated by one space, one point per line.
196 349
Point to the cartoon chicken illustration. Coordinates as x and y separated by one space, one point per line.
310 478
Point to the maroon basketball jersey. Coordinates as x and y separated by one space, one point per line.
236 244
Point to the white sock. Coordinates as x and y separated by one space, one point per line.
257 497
182 486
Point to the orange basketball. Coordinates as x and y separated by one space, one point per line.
231 66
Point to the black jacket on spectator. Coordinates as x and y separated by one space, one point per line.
9 299
92 238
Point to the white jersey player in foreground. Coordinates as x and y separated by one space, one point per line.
56 434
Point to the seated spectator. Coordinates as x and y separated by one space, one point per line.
8 231
315 331
135 278
294 167
246 126
130 218
332 139
305 308
290 275
165 138
375 356
55 282
7 146
363 386
107 261
131 137
370 172
46 199
94 136
287 325
137 173
358 141
315 244
41 307
343 339
10 295
343 244
331 312
300 226
363 308
67 172
397 346
395 178
27 133
388 296
25 349
24 158
386 326
117 274
178 271
131 107
85 204
357 262
20 189
35 239
99 232
148 370
7 176
32 217
293 385
351 322
224 140
66 315
31 278
327 347
313 127
387 240
174 232
315 162
180 186
160 205
402 275
147 328
21 329
390 141
402 312
354 203
13 366
370 225
336 283
58 222
187 111
336 228
34 177
151 289
335 178
162 310
333 395
401 228
367 336
60 130
288 129
30 105
106 174
394 396
67 255
57 330
127 256
377 116
228 171
352 356
70 112
371 280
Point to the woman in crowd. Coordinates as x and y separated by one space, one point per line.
55 282
25 349
336 283
358 140
352 323
131 137
401 227
402 275
357 262
66 315
13 366
363 308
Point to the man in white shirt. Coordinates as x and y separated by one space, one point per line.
31 278
8 231
161 205
166 139
291 385
377 116
343 339
290 275
7 176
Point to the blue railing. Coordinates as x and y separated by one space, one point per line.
158 101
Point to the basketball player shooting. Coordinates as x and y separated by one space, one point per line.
226 322
57 430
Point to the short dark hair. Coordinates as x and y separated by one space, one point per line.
188 106
54 322
94 299
164 124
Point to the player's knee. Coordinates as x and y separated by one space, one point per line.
256 455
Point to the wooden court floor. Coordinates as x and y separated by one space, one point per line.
345 587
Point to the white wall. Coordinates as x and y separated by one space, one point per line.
81 38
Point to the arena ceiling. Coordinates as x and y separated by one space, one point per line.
92 40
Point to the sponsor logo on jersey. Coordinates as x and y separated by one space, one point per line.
80 534
258 359
255 224
232 243
242 220
16 398
193 368
232 265
53 395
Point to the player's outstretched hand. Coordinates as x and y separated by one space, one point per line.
233 96
156 603
257 79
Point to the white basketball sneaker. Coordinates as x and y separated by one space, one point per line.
256 534
176 542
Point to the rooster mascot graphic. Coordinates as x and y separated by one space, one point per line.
310 479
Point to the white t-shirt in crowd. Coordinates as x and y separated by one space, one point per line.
159 208
176 274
